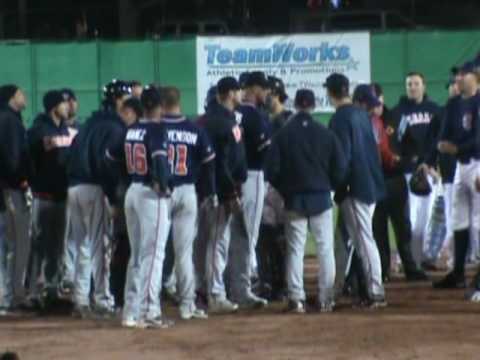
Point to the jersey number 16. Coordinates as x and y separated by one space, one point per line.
177 158
136 156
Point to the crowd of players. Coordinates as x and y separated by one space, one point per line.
217 211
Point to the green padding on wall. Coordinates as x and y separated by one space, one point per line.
87 66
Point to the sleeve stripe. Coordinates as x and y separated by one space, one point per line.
208 158
159 153
264 145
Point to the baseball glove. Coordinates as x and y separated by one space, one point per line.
419 184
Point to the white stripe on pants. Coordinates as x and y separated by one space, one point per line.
358 220
296 230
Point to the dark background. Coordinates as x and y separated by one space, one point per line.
78 19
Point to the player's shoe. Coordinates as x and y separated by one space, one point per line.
416 275
377 303
188 312
253 302
326 306
158 322
473 296
451 281
82 312
130 323
104 312
221 306
295 307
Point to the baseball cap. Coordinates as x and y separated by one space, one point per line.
52 99
151 97
242 79
276 85
337 83
468 67
365 94
257 78
304 99
227 84
68 94
7 92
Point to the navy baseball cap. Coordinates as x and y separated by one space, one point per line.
151 97
257 78
365 94
337 84
304 99
227 84
276 85
242 79
468 67
52 99
211 96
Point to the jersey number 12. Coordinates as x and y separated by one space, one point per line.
177 158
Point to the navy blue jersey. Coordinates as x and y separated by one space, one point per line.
461 126
256 130
146 153
188 149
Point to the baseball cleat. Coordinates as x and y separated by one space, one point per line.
295 307
130 323
451 281
253 302
82 312
416 275
158 322
326 307
474 296
188 313
221 306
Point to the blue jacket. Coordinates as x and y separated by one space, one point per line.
364 179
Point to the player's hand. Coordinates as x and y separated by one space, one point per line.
446 147
477 183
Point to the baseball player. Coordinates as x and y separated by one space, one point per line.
306 162
271 243
49 140
363 186
13 182
231 173
147 215
189 153
415 113
459 137
93 174
255 125
70 248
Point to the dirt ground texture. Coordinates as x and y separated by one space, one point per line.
419 323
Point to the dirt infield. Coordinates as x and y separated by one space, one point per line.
418 324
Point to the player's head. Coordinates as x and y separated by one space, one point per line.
171 100
469 78
305 100
364 96
69 94
337 86
56 105
257 87
152 103
211 97
137 88
415 86
131 111
115 93
9 356
13 96
228 92
277 96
